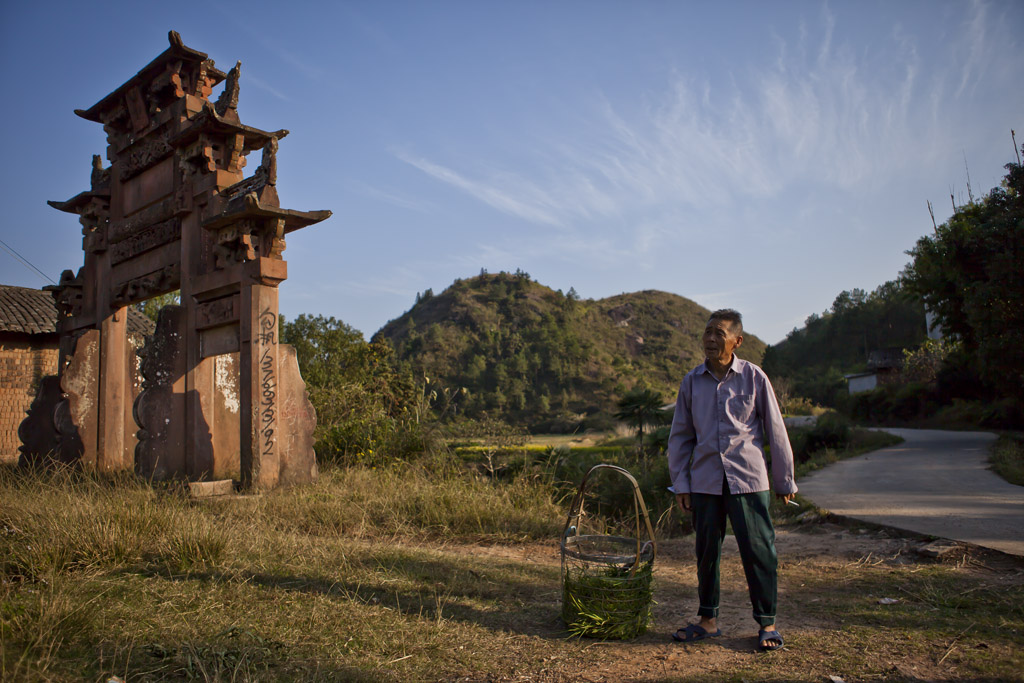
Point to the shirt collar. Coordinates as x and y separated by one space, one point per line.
734 366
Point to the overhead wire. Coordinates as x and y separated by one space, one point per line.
25 262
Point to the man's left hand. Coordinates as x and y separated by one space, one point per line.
785 497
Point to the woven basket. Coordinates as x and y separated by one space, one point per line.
607 587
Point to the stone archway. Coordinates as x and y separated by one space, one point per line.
221 398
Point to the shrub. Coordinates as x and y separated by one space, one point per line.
832 430
613 496
868 406
907 401
562 422
1007 459
798 405
365 409
1007 413
923 364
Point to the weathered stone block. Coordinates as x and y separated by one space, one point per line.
209 489
298 420
77 418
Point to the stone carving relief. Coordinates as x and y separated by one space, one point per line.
99 180
151 215
158 409
167 279
217 312
228 100
143 240
236 243
68 294
144 155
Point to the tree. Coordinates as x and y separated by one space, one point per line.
641 407
970 274
151 307
364 407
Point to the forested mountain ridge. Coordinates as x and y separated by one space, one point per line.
544 359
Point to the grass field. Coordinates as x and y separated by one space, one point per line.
427 572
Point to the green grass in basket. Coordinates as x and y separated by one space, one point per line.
607 602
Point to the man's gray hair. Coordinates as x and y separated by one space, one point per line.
732 317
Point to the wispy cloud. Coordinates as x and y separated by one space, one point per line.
389 197
262 85
531 205
823 115
973 45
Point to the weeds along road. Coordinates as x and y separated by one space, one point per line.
935 482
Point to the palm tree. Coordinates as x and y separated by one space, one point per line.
641 407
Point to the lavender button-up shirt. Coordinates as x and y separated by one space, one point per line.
719 429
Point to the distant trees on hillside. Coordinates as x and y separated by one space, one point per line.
970 275
505 341
839 341
547 360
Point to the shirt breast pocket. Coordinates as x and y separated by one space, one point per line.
740 408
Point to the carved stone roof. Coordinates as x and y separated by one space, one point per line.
32 311
249 206
209 121
176 51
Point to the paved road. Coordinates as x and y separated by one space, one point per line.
935 482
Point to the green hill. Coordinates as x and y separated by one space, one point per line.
547 360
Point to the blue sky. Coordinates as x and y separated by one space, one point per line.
761 156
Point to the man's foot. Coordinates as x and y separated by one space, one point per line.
768 638
693 632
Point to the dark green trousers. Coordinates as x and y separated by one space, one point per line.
755 536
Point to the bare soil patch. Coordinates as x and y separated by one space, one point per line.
833 579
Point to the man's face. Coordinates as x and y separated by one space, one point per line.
720 341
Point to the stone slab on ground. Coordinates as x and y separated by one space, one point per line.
209 489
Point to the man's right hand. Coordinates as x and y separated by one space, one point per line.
683 500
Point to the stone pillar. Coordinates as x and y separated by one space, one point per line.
77 417
113 402
259 406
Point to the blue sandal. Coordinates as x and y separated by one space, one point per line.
772 637
694 632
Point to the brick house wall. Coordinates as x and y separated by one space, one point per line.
28 352
24 360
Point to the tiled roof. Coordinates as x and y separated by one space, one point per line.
27 310
883 359
32 311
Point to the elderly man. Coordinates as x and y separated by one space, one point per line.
726 410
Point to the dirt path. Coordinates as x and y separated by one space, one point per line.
824 568
935 483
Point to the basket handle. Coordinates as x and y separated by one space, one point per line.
639 507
